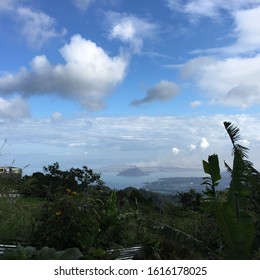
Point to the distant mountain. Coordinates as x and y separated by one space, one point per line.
132 172
150 169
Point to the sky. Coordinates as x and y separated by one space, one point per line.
110 82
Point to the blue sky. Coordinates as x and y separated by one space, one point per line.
102 82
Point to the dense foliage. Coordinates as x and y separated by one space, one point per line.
71 214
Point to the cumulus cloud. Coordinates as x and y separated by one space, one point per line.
131 29
230 82
13 108
35 26
175 151
192 68
87 76
162 91
247 31
203 143
243 95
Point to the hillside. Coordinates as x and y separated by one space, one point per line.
177 184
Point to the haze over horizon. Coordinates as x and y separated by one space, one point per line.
145 83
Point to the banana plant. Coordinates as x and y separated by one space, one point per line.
244 186
233 219
240 172
211 167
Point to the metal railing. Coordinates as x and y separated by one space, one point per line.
4 247
131 253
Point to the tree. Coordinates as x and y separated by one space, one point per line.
54 181
190 199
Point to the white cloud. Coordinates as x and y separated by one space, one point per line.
196 103
147 139
193 67
131 29
230 82
246 32
209 8
78 144
56 116
162 91
203 143
35 26
13 108
87 76
175 151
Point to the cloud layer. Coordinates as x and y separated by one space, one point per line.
142 140
87 76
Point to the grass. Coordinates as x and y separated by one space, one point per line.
18 218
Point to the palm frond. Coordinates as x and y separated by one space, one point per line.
229 169
233 132
242 150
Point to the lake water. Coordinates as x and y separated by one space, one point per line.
120 182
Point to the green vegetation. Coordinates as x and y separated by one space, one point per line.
58 214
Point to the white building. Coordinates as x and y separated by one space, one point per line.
10 171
